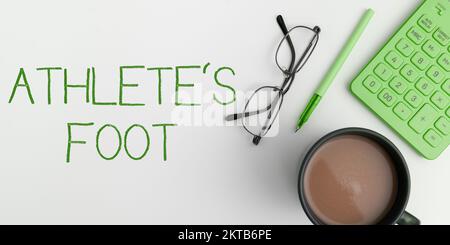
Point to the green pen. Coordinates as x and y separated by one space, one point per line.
334 69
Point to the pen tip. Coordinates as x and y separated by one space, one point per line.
300 125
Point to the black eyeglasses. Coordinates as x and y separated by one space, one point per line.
263 106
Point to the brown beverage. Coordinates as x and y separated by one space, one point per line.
350 179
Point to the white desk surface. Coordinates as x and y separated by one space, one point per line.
214 175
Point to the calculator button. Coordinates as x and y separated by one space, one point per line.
423 118
416 35
398 85
433 138
442 37
409 73
413 99
383 72
444 61
431 48
427 23
394 59
372 84
402 111
387 97
420 60
425 86
446 87
443 125
440 100
405 47
436 74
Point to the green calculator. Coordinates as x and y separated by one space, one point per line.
407 83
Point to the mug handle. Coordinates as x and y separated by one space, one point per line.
408 219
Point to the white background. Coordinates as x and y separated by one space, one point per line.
214 175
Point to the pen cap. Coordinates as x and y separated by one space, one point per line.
345 52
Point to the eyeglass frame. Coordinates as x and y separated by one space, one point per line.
294 67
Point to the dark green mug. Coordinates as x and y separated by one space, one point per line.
397 214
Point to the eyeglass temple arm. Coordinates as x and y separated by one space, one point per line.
237 116
267 125
285 31
312 45
288 82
